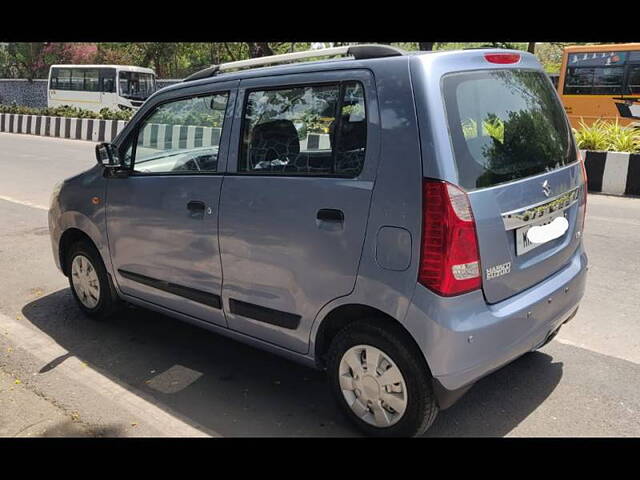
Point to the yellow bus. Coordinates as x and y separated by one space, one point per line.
601 82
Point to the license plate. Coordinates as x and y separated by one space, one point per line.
523 244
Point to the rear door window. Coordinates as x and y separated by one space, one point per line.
316 130
505 125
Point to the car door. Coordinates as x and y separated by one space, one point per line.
162 219
295 201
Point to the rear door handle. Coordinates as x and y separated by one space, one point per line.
330 215
196 207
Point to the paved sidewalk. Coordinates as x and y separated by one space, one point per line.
24 413
59 395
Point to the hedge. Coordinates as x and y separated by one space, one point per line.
608 137
66 111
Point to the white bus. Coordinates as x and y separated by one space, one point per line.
94 87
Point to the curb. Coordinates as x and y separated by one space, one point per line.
62 127
614 173
162 136
33 350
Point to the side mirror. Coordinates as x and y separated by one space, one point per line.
107 155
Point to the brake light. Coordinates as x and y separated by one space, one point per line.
502 58
449 259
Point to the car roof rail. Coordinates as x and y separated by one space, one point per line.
359 52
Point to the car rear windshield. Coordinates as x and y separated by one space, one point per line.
505 125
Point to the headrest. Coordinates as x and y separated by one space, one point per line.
277 139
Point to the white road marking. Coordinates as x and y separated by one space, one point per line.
623 221
591 349
23 202
44 138
46 350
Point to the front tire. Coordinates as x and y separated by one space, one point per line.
380 382
89 281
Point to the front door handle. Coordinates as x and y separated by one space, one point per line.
330 215
196 208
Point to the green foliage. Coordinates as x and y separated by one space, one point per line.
67 111
25 60
492 126
469 128
529 138
624 139
607 136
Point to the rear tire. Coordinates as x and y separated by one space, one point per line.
90 284
396 398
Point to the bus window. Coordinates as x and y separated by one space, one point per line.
77 79
578 80
634 79
91 80
135 85
53 80
607 81
61 79
108 80
593 80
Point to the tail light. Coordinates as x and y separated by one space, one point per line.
502 58
584 189
449 261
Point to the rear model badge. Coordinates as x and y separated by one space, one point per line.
546 189
498 270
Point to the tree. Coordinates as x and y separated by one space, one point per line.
169 60
74 53
158 54
506 45
116 54
426 46
259 49
26 59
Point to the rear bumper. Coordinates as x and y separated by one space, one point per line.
463 338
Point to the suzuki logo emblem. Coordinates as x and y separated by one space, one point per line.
546 189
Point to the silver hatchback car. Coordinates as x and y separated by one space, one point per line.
408 222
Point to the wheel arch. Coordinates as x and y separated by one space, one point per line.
76 225
69 237
343 315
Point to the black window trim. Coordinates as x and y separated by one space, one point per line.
340 84
136 131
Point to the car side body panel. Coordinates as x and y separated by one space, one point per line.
396 203
80 205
